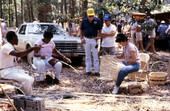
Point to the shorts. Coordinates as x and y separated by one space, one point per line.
152 34
138 36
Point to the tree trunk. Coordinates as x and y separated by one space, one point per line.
43 10
22 11
16 17
84 8
29 12
65 7
9 14
1 13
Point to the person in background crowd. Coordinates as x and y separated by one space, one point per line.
7 68
114 22
108 36
126 28
130 58
168 36
162 35
90 33
4 30
43 58
120 26
0 35
139 37
133 30
150 21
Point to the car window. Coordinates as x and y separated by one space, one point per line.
22 29
41 28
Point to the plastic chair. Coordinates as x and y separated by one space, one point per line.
143 71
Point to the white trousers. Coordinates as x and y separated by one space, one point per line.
20 76
91 52
43 65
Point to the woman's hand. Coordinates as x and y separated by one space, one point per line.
67 59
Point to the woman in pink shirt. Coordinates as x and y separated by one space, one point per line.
43 58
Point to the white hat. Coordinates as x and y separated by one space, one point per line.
162 22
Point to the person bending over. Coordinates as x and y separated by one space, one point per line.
130 58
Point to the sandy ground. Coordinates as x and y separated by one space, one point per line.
79 92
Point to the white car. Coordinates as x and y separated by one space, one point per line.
29 33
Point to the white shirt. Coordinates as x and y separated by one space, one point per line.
46 50
6 60
109 41
133 26
167 30
128 48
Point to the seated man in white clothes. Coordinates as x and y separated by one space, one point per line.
43 58
7 68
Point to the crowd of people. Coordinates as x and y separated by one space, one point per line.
131 36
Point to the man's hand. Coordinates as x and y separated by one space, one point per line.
42 57
37 48
83 41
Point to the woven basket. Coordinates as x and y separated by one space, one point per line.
157 78
109 68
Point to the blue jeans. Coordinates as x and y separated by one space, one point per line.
130 67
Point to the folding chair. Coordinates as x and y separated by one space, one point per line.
143 71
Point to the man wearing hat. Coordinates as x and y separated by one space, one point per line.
90 33
108 36
161 30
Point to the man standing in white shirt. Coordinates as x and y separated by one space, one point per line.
7 68
108 36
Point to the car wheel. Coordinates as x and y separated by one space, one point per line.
30 57
77 60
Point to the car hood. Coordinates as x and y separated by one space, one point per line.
57 38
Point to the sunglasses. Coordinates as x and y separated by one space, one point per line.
91 16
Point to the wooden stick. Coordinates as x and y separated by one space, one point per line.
8 98
70 66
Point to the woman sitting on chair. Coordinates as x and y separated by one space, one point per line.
43 58
130 58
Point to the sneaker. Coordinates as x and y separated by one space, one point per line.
88 73
96 74
48 80
115 90
56 81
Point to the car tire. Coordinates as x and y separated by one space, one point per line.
77 60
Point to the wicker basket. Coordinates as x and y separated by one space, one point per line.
109 68
157 78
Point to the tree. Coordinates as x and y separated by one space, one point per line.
84 8
44 10
16 17
22 11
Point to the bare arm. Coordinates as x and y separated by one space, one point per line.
23 53
61 55
112 33
133 59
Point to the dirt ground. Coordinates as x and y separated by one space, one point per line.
79 92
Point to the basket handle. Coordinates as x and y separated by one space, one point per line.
154 64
